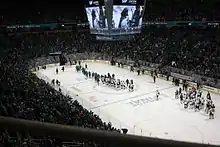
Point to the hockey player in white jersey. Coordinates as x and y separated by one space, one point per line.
197 104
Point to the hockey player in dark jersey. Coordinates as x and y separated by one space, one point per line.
142 71
208 96
53 82
58 83
62 68
89 73
176 94
127 82
154 78
113 76
138 71
211 113
157 95
118 83
98 80
180 90
57 71
199 94
181 98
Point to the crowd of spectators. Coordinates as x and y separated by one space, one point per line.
192 49
24 96
177 10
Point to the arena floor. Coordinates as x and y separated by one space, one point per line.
138 111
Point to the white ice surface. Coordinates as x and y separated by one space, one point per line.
165 118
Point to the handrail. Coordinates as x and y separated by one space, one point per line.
72 132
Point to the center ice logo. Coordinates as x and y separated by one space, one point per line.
142 101
145 100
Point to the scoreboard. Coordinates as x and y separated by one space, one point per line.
128 2
115 17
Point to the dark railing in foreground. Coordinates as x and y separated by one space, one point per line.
83 134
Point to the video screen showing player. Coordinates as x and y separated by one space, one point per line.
96 17
127 16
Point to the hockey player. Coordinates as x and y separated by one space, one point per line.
199 94
58 83
208 105
131 87
181 98
112 83
62 68
56 70
185 103
142 71
118 83
191 103
98 80
157 95
211 113
86 66
86 74
208 96
53 82
89 73
132 69
180 90
123 85
183 85
176 94
78 68
138 72
113 76
202 101
197 104
108 75
154 77
127 82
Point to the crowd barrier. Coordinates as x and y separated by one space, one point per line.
85 134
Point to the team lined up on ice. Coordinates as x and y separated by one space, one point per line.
194 99
107 79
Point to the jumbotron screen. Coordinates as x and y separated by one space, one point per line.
115 17
126 19
97 20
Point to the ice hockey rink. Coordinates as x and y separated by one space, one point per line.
138 111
